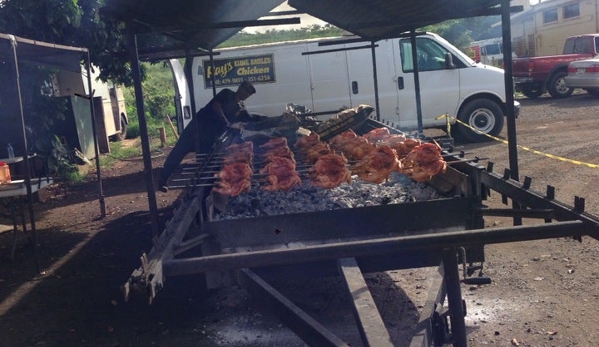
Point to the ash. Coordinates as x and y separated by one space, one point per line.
308 198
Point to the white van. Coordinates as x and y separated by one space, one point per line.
329 77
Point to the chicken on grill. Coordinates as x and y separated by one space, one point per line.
311 154
354 147
329 171
377 134
377 165
274 143
399 143
281 174
345 136
424 162
404 147
238 157
234 179
307 141
279 152
311 148
246 146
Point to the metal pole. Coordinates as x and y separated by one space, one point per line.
416 80
143 129
13 42
509 98
96 148
454 297
213 68
376 82
509 88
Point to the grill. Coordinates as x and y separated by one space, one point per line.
261 236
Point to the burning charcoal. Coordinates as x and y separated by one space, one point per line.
307 198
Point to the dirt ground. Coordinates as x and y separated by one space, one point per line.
543 293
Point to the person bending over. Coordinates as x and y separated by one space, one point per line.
209 123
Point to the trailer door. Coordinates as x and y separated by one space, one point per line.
439 86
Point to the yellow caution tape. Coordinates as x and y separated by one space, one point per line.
576 162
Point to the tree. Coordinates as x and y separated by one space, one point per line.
72 23
64 22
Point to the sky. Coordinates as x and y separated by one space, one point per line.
306 20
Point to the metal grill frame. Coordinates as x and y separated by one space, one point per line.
445 233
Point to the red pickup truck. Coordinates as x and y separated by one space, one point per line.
533 76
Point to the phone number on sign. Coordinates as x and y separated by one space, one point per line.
261 78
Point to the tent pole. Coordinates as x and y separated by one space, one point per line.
509 89
416 80
94 130
376 81
143 129
25 154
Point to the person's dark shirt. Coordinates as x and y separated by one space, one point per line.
229 105
209 116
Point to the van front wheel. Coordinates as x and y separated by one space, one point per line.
481 116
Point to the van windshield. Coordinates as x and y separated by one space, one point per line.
430 54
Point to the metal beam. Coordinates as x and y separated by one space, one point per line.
427 242
371 325
529 198
423 334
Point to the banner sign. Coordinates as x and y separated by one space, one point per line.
230 72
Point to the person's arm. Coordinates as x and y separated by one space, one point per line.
218 109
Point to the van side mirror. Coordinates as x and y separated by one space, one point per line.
449 61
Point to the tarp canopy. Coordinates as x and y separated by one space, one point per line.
188 24
207 24
42 53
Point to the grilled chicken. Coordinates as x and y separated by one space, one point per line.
329 171
424 162
274 143
307 141
281 174
234 179
282 152
377 165
377 134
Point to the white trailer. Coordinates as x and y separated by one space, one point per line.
488 51
109 103
327 77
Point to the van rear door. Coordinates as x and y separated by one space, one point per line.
329 81
182 95
439 85
359 63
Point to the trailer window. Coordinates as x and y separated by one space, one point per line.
550 16
431 55
492 49
572 10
